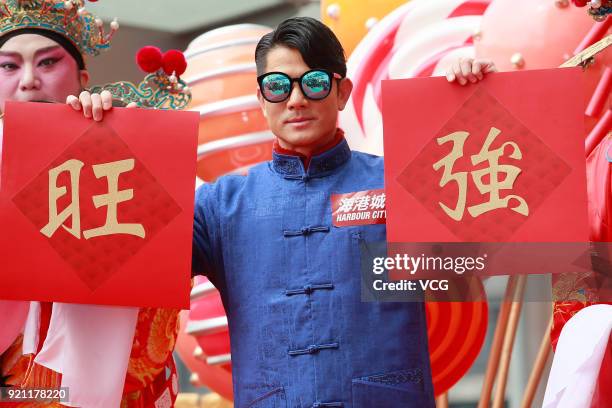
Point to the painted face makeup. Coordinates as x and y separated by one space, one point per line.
36 68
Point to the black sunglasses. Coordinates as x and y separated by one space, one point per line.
315 84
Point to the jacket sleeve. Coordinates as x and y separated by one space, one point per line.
206 258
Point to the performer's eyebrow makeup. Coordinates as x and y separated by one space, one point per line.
9 54
17 54
47 49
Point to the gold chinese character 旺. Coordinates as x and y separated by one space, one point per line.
111 172
55 193
493 171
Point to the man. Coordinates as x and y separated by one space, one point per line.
47 65
288 277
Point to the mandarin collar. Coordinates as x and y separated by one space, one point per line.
321 165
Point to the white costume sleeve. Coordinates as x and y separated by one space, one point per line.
580 351
90 346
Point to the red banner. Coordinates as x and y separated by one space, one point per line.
97 212
500 161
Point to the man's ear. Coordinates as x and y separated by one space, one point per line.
84 78
345 87
262 103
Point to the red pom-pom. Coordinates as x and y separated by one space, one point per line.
149 58
580 3
174 62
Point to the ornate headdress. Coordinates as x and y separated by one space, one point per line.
67 18
598 9
161 89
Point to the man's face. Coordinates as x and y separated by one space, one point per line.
36 68
301 124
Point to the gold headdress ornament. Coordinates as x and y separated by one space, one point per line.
598 9
162 88
67 18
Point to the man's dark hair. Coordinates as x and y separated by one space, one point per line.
317 44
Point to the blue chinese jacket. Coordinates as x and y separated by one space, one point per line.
290 284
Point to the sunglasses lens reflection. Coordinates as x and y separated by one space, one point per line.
316 84
276 87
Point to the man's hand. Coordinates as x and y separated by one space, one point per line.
469 70
93 105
